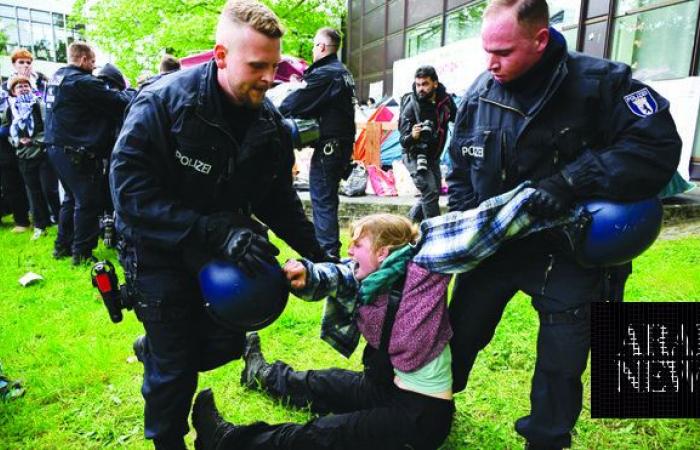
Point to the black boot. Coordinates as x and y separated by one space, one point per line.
255 364
79 259
60 252
212 429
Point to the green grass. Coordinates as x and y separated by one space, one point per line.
83 387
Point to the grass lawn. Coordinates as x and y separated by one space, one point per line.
83 385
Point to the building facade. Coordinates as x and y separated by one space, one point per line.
659 39
42 27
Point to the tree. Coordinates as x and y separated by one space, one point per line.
137 34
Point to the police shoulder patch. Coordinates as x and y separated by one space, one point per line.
641 103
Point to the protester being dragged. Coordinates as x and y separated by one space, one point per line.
24 118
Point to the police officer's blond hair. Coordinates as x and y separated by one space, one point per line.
532 14
384 230
77 50
252 13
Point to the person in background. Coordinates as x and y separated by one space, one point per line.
25 118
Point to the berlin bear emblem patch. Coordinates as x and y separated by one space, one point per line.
641 103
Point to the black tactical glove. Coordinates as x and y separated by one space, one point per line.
249 251
552 198
239 239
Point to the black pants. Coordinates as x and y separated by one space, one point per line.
428 182
356 413
14 193
561 292
42 186
78 221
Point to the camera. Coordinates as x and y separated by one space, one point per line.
421 162
304 131
114 296
427 130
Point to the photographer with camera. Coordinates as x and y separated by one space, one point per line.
328 96
425 113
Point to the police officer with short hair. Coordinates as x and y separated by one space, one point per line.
579 127
200 151
81 113
328 96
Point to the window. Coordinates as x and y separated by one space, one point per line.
41 16
59 20
464 23
563 16
423 37
43 41
7 11
9 28
642 38
23 13
25 36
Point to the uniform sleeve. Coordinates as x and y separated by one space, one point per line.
460 191
283 212
105 100
138 177
406 122
643 151
328 279
309 101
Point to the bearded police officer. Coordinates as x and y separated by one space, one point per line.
81 114
579 127
199 152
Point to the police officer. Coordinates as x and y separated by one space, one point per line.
328 96
425 113
200 151
578 127
81 112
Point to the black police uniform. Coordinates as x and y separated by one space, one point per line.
180 158
81 112
439 111
571 116
329 97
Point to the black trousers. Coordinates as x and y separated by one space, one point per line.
356 414
14 193
561 292
78 222
42 187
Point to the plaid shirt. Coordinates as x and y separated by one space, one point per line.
458 241
452 243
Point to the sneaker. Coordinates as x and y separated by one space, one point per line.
20 229
38 232
212 430
60 252
80 259
255 363
140 347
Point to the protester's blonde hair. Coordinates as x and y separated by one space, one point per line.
384 230
249 12
77 50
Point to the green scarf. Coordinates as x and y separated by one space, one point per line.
381 281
